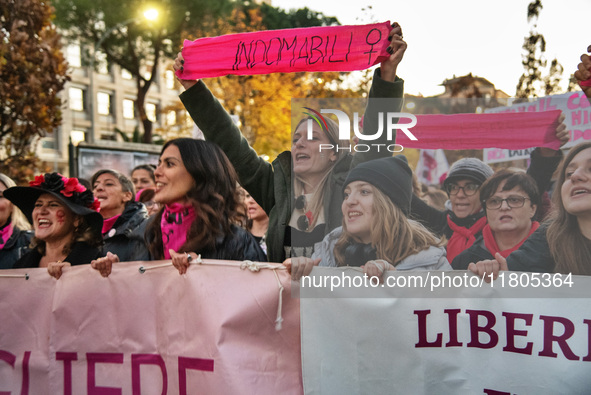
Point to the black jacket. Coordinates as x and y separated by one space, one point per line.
239 245
16 246
81 254
477 252
533 255
126 238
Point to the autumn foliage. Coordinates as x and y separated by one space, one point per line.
32 72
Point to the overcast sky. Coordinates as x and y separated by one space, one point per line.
456 37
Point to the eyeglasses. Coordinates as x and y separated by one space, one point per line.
469 189
495 203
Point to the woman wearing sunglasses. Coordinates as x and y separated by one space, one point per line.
510 200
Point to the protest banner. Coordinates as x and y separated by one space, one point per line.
325 48
574 105
409 337
211 331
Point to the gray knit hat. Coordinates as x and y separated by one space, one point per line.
470 168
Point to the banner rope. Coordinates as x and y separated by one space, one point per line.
257 266
25 276
142 269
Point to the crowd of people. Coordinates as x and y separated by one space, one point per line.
217 198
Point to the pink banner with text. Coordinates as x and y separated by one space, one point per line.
326 48
211 331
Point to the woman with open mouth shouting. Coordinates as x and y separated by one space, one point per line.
65 219
301 189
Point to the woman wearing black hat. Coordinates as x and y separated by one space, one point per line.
66 223
15 234
376 231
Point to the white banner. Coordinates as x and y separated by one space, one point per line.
453 340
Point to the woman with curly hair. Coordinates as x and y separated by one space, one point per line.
66 223
197 188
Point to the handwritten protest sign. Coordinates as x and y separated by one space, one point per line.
326 48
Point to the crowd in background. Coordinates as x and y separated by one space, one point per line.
218 199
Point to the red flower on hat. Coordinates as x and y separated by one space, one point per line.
71 185
40 179
96 205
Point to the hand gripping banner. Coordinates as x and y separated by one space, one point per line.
326 48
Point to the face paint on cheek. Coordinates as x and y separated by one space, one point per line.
60 214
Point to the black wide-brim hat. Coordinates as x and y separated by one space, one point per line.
26 197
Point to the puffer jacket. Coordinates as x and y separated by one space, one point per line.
126 237
16 246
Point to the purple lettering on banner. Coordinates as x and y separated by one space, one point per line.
67 357
423 342
512 332
93 358
588 357
550 337
25 382
495 392
453 327
191 363
146 359
475 329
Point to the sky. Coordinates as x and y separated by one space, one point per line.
457 37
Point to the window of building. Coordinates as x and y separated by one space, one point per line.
169 78
103 103
171 118
151 112
77 136
128 109
126 74
76 99
73 55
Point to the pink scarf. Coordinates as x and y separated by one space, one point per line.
109 222
175 223
5 234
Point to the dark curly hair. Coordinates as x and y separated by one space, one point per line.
214 196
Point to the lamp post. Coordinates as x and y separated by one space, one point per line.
150 15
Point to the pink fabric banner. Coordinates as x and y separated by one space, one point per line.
211 331
326 48
477 131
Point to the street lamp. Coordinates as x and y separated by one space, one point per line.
151 15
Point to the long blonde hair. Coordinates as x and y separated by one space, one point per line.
17 218
393 235
316 204
569 248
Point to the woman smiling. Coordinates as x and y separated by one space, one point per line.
66 223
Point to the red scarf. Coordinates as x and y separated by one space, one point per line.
5 234
462 238
109 222
175 223
491 243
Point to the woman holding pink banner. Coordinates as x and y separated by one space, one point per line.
563 245
376 232
66 222
302 209
196 187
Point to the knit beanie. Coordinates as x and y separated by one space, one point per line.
470 168
390 175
